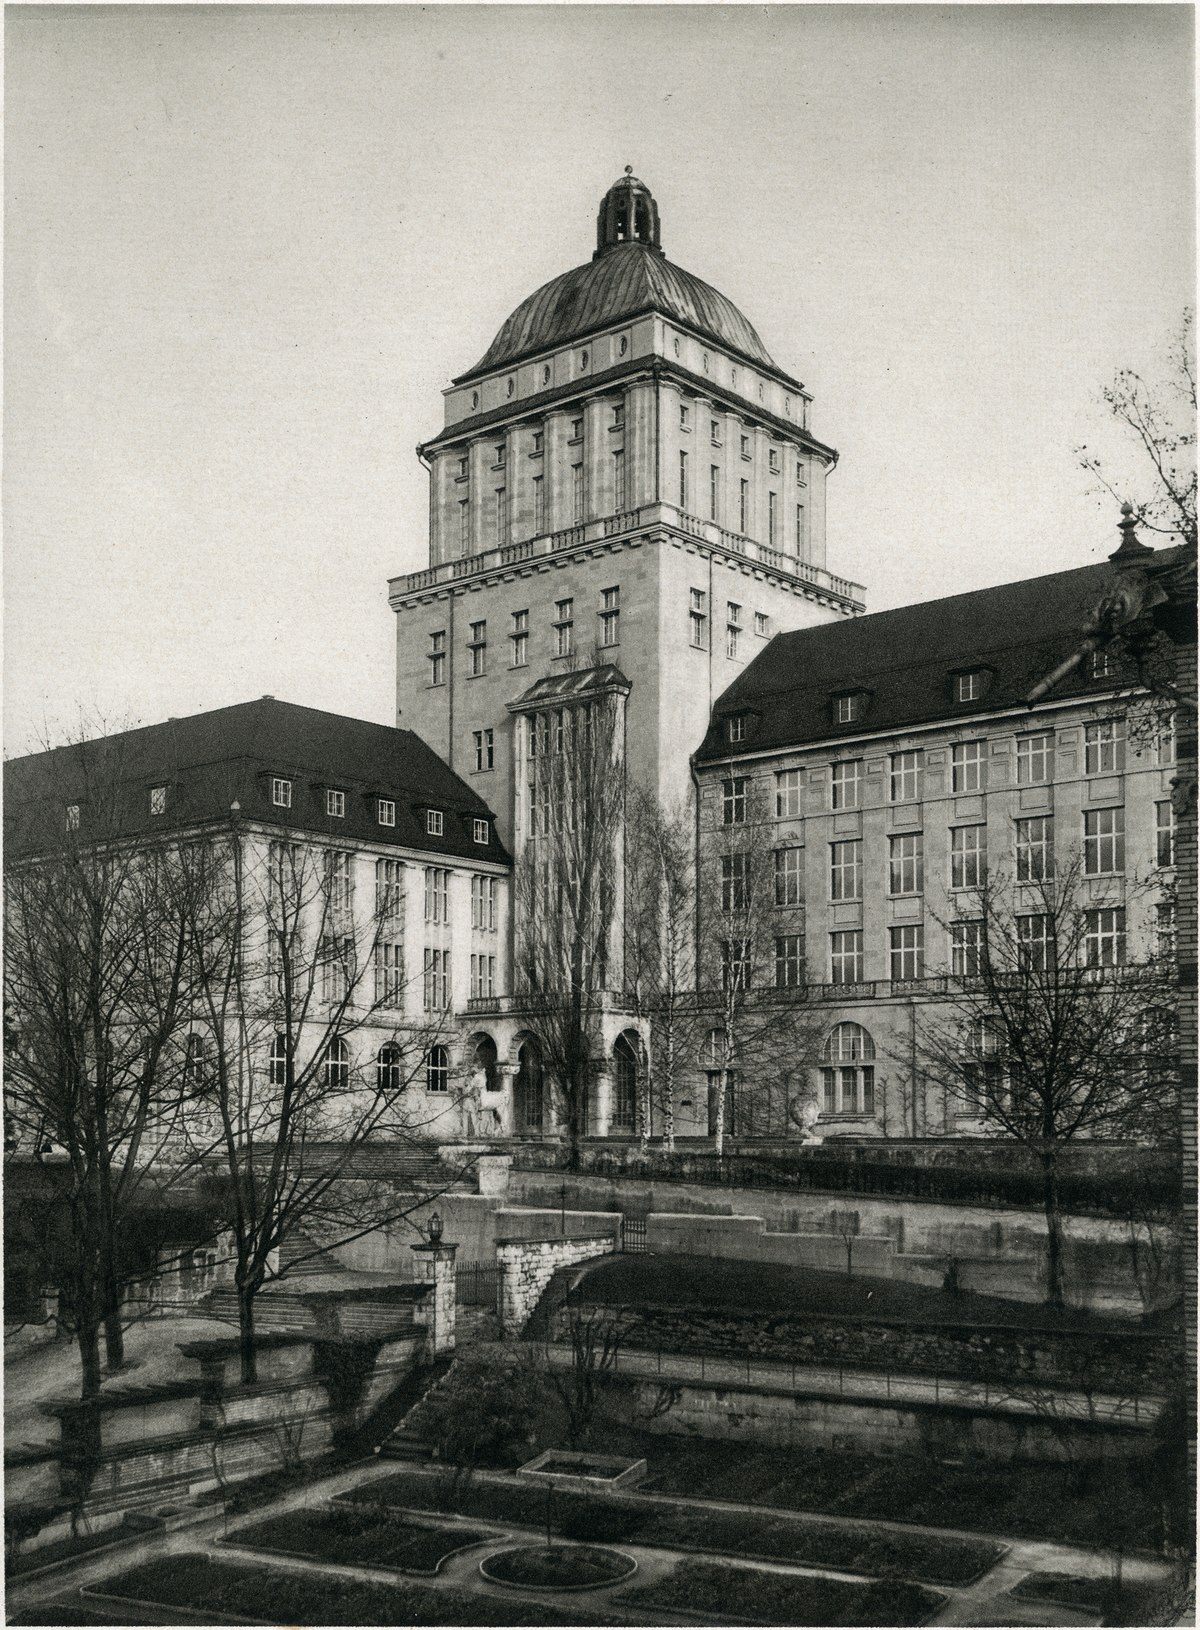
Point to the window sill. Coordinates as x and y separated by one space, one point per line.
481 675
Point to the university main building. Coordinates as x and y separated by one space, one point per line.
627 521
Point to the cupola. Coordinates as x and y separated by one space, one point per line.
628 214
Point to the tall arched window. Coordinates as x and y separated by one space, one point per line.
335 1069
278 1064
848 1071
437 1070
625 1086
528 1101
388 1072
195 1062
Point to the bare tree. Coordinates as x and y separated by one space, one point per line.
1049 1034
762 1032
569 890
288 969
660 955
95 995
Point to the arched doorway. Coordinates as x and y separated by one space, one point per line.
529 1089
624 1116
487 1062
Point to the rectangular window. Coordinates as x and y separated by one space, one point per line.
908 951
335 804
389 889
735 729
1165 928
539 440
539 505
1035 759
1103 841
576 429
762 625
735 883
437 657
577 497
968 766
1104 747
564 627
483 904
1035 849
618 418
1035 941
1164 744
477 649
772 517
799 529
846 957
464 526
1102 664
501 452
385 811
389 974
735 964
847 708
433 823
714 492
437 892
787 794
906 863
520 639
610 617
339 881
1164 828
714 430
733 631
619 480
968 856
72 817
905 778
789 876
733 800
334 954
683 481
789 961
483 976
845 784
966 948
845 870
698 620
800 481
158 800
437 980
1104 938
501 515
772 458
743 506
849 1090
281 793
485 743
745 447
479 830
968 687
685 416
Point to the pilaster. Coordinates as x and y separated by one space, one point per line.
435 1266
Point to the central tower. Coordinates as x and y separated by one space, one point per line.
625 499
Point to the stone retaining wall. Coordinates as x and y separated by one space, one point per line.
528 1265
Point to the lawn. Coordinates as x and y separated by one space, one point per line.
775 1537
758 1597
774 1287
339 1534
1131 1603
277 1597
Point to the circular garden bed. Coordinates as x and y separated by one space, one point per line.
557 1567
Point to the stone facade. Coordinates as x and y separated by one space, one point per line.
528 1265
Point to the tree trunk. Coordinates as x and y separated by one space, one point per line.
722 1088
247 1351
114 1333
88 1337
1054 1240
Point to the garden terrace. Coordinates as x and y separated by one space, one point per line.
753 1596
338 1534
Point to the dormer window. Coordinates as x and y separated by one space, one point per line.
850 706
737 728
335 803
71 817
481 831
969 686
158 800
281 792
433 822
385 811
1102 665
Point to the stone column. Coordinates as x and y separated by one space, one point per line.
435 1266
604 1098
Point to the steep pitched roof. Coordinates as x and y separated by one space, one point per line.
209 761
903 662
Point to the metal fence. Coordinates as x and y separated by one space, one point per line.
633 1233
477 1284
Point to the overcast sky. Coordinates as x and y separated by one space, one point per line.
247 247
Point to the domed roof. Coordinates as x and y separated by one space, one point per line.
627 275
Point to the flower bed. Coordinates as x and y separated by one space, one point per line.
558 1567
339 1534
757 1597
775 1537
274 1596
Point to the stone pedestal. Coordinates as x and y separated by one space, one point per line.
435 1266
